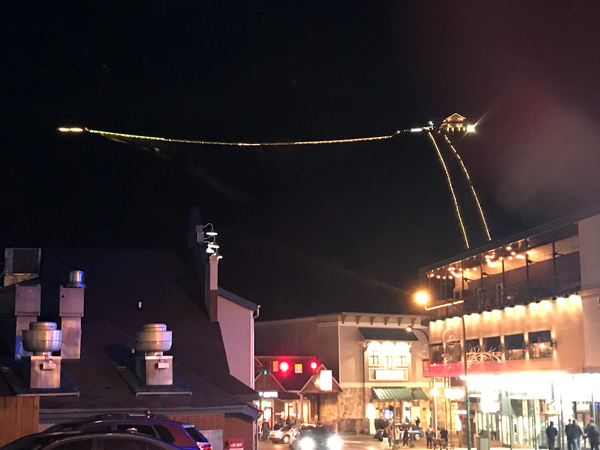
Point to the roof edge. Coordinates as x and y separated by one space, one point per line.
237 300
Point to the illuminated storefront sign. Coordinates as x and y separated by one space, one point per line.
325 380
268 394
389 375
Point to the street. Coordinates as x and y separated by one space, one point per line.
351 442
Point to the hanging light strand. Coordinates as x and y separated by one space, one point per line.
110 134
464 169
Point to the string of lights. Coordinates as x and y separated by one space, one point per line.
110 134
460 219
464 169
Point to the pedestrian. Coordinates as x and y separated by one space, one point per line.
429 434
389 431
577 433
570 436
417 422
265 431
551 433
444 434
405 437
592 435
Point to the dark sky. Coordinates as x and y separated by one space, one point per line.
303 229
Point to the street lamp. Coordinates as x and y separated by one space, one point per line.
422 297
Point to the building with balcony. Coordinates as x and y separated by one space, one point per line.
529 306
375 358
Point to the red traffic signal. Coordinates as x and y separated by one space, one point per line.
314 365
284 366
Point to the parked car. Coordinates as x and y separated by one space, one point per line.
74 440
287 433
158 426
316 438
284 434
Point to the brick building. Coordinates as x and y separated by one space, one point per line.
376 358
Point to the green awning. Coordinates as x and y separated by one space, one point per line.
399 393
419 394
387 334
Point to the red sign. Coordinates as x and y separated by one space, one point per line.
236 443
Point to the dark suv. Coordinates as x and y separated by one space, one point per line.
184 436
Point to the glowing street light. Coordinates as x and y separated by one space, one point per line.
71 129
422 297
470 128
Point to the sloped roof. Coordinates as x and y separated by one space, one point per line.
170 292
237 300
387 334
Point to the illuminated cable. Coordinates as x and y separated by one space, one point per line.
462 165
460 220
238 144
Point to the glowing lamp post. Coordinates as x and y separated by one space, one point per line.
422 298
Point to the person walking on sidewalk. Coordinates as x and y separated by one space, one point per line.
577 433
551 433
429 434
592 435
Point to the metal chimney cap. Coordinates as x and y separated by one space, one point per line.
76 279
42 338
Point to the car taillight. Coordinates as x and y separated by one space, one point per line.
203 446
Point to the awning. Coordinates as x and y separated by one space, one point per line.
400 393
387 334
419 394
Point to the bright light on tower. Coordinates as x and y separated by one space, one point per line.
422 297
470 128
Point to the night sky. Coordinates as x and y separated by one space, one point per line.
303 230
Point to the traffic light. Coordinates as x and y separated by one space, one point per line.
284 366
314 365
265 372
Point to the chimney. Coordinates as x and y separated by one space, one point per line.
21 306
154 368
42 370
71 312
212 287
21 264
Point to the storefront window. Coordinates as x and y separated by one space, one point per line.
514 346
492 345
437 353
540 343
453 351
374 357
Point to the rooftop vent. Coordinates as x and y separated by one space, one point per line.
42 370
154 368
75 279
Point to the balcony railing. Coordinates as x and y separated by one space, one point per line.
512 295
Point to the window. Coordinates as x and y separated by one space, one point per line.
389 360
499 293
164 434
540 344
472 345
121 443
436 353
76 444
514 346
374 357
402 361
141 428
492 345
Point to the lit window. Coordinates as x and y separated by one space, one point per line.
389 360
514 346
374 357
402 361
540 344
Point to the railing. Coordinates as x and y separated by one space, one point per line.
512 295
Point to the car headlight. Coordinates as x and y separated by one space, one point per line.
334 443
307 444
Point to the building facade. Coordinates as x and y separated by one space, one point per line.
376 358
523 313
